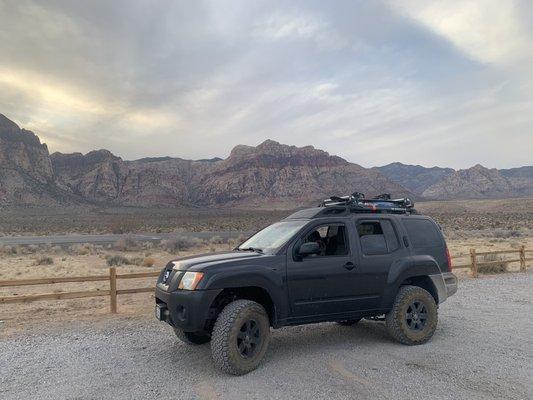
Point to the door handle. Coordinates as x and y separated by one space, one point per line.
349 266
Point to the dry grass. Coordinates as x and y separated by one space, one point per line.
495 268
68 263
44 260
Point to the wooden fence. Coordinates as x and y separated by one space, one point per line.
112 292
474 264
113 277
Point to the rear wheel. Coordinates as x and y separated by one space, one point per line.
240 337
413 318
349 322
192 337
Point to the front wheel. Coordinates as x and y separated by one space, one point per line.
413 318
240 337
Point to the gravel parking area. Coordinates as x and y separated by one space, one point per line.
483 349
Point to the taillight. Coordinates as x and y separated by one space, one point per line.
449 260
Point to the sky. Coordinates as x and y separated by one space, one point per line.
421 82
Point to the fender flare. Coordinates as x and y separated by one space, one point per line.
253 276
422 267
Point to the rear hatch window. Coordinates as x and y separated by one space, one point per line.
426 238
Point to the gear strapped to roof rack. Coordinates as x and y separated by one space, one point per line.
382 203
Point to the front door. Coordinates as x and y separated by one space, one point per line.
324 283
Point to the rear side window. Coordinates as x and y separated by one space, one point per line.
422 233
377 237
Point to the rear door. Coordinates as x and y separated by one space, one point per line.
379 246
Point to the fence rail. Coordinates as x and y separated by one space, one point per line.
474 264
113 279
112 292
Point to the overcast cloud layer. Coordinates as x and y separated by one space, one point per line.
431 83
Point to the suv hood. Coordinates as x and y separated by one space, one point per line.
203 261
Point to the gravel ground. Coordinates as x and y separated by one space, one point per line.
483 349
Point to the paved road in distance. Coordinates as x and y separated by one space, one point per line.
111 238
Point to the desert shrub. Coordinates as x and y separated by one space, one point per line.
216 240
137 261
126 244
506 234
18 250
148 262
119 227
180 243
32 248
494 268
44 260
117 260
147 245
81 249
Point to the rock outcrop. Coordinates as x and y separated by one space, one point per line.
414 177
479 182
26 174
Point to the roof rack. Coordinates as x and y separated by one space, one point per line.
382 203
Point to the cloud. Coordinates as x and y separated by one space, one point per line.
490 31
299 26
375 82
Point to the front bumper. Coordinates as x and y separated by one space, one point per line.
188 310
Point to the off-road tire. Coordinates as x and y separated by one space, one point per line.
349 322
194 338
397 324
224 348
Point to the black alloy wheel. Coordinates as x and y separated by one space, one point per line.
416 316
249 338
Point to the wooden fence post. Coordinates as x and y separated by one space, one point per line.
522 258
473 259
113 289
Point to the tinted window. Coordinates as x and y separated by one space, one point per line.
377 237
332 239
422 233
390 235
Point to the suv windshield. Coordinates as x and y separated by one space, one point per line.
272 237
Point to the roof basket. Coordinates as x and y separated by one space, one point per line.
382 203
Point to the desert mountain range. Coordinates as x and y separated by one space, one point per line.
269 175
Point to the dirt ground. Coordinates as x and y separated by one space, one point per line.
482 349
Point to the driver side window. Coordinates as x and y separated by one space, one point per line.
331 238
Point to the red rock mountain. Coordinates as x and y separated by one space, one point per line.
26 174
271 174
268 175
479 182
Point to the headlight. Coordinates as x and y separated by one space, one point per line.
190 280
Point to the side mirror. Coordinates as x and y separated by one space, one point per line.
309 248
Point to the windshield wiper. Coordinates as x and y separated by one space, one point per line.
255 249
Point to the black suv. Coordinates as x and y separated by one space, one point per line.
346 260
